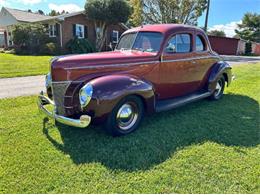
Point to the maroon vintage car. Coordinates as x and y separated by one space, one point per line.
153 68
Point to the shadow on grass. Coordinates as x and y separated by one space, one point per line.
232 121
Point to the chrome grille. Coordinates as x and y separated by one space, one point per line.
59 91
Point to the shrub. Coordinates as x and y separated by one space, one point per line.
79 46
50 49
33 39
248 48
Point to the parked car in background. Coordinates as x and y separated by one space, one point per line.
154 68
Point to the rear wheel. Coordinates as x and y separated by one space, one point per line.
219 90
126 116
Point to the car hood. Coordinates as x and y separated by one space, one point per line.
72 67
102 59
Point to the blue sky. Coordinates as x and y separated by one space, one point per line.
224 14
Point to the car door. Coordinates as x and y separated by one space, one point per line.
177 67
203 57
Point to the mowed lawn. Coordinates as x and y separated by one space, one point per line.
204 147
16 66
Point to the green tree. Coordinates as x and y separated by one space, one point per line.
105 13
250 28
173 11
136 19
218 33
54 13
40 12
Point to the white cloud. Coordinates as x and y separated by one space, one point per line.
29 2
229 28
4 3
66 7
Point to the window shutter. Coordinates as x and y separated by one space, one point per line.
74 30
85 32
57 29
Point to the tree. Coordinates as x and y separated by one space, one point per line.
250 28
54 13
105 13
136 19
218 33
40 12
173 11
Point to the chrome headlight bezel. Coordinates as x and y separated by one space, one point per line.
48 80
85 95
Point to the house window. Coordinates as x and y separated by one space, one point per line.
115 36
80 31
52 30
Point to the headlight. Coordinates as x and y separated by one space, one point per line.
48 80
85 95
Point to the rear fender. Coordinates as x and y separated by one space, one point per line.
220 68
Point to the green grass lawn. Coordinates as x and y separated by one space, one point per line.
15 66
204 147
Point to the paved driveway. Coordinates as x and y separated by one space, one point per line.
21 86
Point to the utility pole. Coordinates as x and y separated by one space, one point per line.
207 17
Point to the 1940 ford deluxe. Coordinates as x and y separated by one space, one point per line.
153 68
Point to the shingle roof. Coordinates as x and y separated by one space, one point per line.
25 16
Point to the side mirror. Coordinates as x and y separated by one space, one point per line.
171 48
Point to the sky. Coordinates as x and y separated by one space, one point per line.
224 14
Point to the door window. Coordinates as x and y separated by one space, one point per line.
200 43
180 43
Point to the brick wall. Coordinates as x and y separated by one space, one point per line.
67 29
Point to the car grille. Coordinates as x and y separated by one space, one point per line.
59 92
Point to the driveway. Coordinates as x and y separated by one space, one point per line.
24 86
234 60
21 86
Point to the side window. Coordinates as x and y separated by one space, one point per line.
180 43
200 43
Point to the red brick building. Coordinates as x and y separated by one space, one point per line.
231 46
62 28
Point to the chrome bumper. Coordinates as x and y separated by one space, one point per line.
83 122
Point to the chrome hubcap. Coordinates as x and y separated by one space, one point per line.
218 88
127 116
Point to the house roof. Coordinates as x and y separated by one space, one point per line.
25 16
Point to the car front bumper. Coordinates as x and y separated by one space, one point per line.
43 101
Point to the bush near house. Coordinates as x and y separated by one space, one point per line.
33 39
248 48
79 46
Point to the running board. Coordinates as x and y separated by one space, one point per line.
169 104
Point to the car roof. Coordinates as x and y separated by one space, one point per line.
164 28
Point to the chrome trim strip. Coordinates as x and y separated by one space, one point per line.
186 59
111 65
68 81
83 122
137 63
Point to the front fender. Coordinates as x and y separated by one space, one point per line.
220 68
109 90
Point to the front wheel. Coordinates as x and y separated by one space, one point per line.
126 116
219 90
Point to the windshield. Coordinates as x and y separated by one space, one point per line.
142 41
